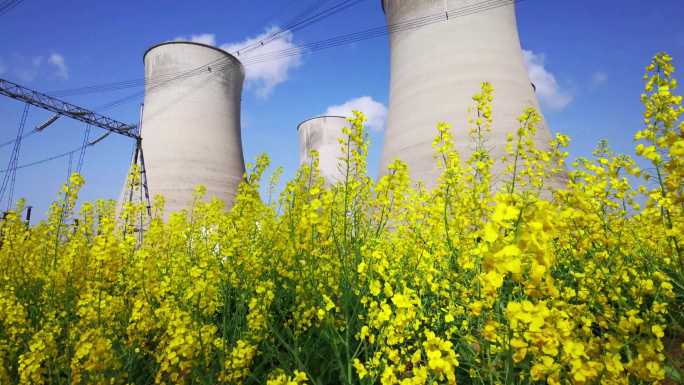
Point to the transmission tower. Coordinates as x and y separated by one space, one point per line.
60 107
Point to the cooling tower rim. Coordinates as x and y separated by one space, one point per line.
320 117
224 52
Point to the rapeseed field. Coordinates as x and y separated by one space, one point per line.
485 279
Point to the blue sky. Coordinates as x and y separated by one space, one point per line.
588 57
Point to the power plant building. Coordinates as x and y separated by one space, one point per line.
191 121
437 68
322 134
191 124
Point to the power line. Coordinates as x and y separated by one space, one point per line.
301 24
45 160
287 5
7 143
9 5
324 14
121 101
317 4
329 43
332 42
380 31
296 24
371 33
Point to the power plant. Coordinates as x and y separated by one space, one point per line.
435 71
191 126
322 134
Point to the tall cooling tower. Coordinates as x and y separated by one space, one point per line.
191 125
437 68
322 134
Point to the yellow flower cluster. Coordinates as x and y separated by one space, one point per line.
527 269
282 379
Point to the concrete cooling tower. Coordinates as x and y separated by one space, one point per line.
437 68
191 125
322 134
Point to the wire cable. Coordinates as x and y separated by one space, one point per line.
9 5
303 20
371 33
380 31
45 160
166 78
328 12
7 143
402 26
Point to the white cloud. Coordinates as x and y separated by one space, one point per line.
264 76
375 112
61 70
204 38
599 78
550 93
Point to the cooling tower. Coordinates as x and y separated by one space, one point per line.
437 68
322 134
191 124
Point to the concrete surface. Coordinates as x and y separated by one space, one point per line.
191 126
435 71
322 134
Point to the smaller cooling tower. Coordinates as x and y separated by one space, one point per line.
321 134
191 124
